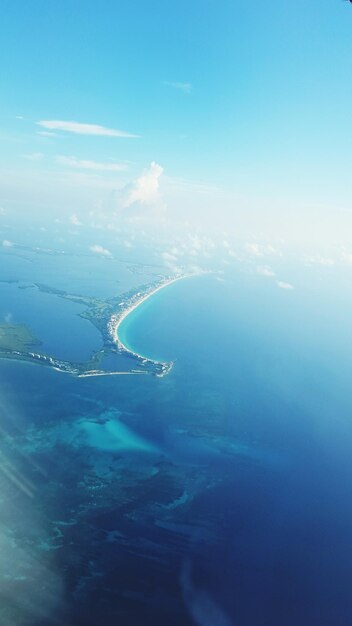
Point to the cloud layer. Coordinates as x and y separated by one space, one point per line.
144 190
83 129
85 164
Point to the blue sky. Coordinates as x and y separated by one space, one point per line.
244 105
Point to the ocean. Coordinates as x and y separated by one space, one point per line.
217 495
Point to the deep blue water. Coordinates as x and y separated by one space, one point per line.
217 495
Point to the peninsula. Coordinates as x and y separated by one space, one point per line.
18 343
130 305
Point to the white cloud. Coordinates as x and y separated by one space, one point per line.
265 270
319 260
261 249
83 129
46 133
177 251
84 164
196 243
34 156
195 269
284 285
100 250
199 245
171 261
7 244
145 189
185 87
347 257
234 255
166 256
73 219
19 117
2 210
253 248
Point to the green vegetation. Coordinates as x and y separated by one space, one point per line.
16 337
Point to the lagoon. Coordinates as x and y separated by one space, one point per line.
53 320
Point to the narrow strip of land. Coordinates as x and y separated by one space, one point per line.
18 343
117 319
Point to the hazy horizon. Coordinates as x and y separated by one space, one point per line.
229 117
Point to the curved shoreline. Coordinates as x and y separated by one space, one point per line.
117 320
108 326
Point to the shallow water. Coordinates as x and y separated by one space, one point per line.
222 488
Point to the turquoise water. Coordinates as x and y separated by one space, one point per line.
222 488
138 330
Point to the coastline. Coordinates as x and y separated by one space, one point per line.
117 320
108 323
